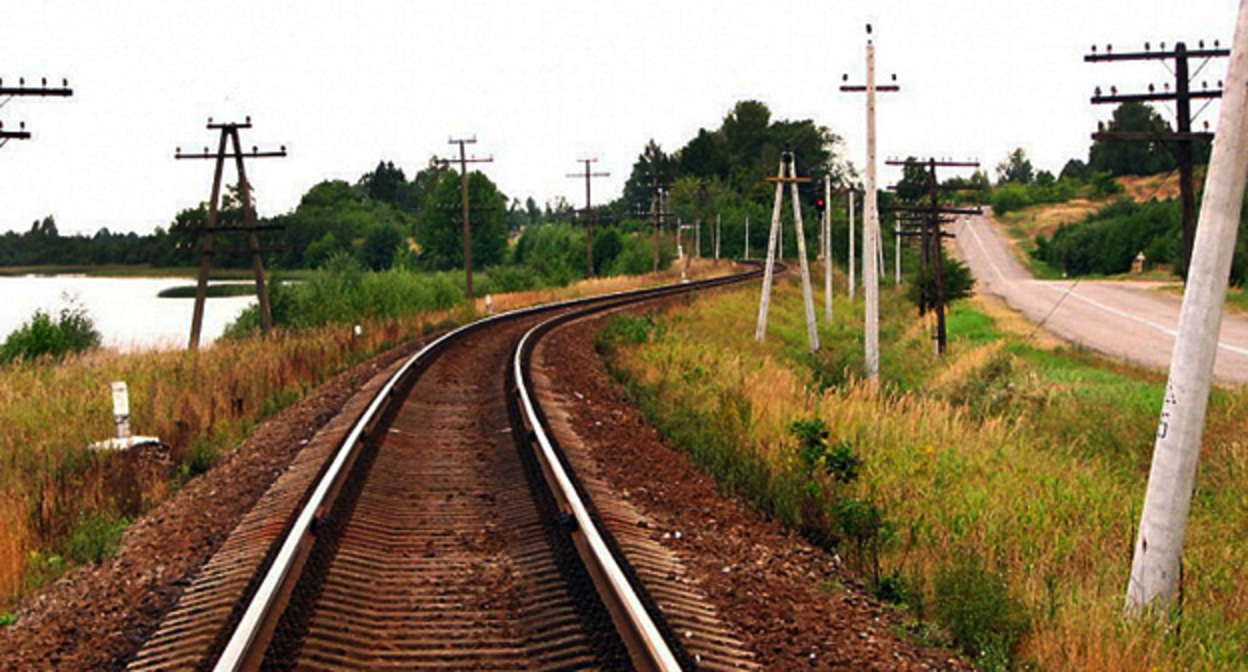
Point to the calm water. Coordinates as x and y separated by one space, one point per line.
126 311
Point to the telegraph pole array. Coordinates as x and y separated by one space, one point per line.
590 215
787 173
871 215
658 212
1179 141
464 160
8 93
926 221
229 134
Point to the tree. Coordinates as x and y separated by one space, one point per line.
1132 157
386 183
1074 170
652 164
1016 168
382 240
441 233
914 181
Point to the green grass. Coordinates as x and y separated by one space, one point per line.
213 291
1031 460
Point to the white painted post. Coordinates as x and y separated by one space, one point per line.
853 251
870 236
897 254
808 292
121 409
780 248
764 302
1163 523
717 232
747 238
827 247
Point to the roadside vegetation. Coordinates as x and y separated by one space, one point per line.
63 504
991 495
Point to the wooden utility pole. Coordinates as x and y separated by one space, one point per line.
229 134
930 217
871 224
1180 141
590 215
7 93
1157 565
464 160
787 174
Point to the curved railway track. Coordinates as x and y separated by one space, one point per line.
447 530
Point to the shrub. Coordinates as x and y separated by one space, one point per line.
73 331
976 607
95 537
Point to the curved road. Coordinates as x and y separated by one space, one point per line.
1126 320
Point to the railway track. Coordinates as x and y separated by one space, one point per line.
440 525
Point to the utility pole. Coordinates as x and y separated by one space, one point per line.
853 253
1157 565
658 212
7 93
717 233
464 160
590 215
871 215
229 134
930 217
1179 141
827 247
787 165
747 238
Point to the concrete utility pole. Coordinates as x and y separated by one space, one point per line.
871 226
1180 141
853 253
1157 565
827 247
590 215
229 133
717 232
7 93
788 165
463 182
747 238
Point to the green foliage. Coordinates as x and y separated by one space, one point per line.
96 537
441 233
379 246
959 283
8 618
73 331
1118 157
1108 241
627 330
1016 168
976 607
1009 197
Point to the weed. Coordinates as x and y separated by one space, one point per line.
976 607
94 538
8 618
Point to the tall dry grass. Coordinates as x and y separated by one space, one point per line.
1031 460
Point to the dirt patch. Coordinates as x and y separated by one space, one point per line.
788 601
96 617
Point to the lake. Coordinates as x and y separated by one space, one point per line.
126 311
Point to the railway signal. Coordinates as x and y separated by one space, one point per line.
787 174
464 160
590 215
928 219
1179 142
229 134
7 93
871 215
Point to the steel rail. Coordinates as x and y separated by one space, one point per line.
266 603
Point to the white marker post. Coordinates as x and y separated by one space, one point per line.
121 410
1156 566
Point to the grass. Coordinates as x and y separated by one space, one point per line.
1015 460
62 504
213 291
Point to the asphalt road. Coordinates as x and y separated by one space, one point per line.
1127 320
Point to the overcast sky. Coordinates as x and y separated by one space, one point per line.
346 84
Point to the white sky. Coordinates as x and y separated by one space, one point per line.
541 83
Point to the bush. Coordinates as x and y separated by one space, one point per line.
1010 196
976 607
73 331
94 538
